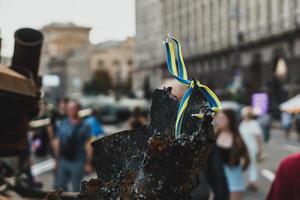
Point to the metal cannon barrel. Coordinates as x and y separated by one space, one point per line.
27 51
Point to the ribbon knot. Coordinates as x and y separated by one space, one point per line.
192 84
179 72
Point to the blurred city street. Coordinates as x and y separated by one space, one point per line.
278 148
146 94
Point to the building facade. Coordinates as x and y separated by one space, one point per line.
148 51
115 57
60 40
68 54
221 39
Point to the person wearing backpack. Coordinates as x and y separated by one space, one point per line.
73 149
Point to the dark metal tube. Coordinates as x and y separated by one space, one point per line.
27 51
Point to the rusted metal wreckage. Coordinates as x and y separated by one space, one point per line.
149 163
164 159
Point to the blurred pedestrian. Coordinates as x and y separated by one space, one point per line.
265 122
56 117
233 152
24 166
215 175
297 121
137 120
73 149
251 133
287 180
39 126
61 112
286 123
94 124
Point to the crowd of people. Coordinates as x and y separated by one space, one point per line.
68 136
287 121
232 166
238 149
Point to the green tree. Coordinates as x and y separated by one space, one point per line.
100 83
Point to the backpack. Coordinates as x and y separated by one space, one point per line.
69 148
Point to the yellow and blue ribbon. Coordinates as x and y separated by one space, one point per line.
179 72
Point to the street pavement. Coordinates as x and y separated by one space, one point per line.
275 150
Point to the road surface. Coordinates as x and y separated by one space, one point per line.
276 149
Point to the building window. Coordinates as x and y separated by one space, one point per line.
116 63
129 62
100 64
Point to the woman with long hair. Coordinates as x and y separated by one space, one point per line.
233 152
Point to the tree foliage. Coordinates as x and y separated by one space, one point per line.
100 83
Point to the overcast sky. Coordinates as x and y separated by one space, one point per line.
109 19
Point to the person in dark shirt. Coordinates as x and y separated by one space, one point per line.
227 159
56 117
232 152
73 150
137 120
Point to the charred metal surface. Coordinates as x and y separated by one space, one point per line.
121 151
54 196
150 163
163 112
